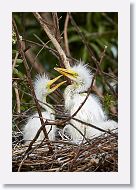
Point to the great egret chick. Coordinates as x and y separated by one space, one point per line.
43 87
91 112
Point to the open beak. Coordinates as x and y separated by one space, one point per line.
67 72
52 86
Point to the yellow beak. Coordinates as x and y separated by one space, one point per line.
67 72
51 82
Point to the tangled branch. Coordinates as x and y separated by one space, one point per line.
53 39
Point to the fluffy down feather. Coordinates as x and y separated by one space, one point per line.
33 123
91 111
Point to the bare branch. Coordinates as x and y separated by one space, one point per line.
66 35
32 89
56 27
83 135
53 39
82 36
99 70
95 127
17 97
15 61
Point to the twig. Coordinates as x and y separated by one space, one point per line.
84 137
17 97
30 56
82 36
104 73
53 39
85 166
15 60
76 156
95 127
99 70
56 27
53 51
20 166
66 36
32 90
109 19
38 54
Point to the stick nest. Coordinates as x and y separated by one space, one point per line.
97 155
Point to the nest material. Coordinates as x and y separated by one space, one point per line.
97 155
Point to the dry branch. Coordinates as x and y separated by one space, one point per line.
101 155
20 47
66 36
17 96
15 61
53 39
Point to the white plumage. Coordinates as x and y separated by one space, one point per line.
42 87
91 112
34 123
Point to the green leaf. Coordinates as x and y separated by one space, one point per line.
19 61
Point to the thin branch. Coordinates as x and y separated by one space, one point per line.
95 127
106 74
32 90
45 44
82 36
99 70
54 52
84 137
17 97
66 36
109 19
75 158
20 166
15 61
38 54
53 39
56 27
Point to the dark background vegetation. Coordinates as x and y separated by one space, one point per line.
99 29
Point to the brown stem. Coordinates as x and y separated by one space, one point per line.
66 36
56 24
17 97
53 39
15 61
32 89
82 36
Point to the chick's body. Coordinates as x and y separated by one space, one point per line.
91 112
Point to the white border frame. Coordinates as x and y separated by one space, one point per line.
123 174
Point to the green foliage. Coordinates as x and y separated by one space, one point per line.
14 40
109 102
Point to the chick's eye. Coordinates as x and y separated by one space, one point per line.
75 75
47 87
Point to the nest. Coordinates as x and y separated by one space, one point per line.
96 155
